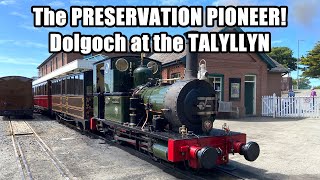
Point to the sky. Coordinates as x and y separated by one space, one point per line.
23 47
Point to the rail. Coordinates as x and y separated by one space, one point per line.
22 161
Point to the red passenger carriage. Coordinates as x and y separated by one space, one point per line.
42 96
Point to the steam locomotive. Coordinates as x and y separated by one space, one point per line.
125 98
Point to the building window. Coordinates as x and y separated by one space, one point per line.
217 85
62 58
174 76
46 69
56 62
51 64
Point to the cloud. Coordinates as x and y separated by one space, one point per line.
19 61
80 2
7 2
24 43
28 27
174 2
5 41
31 44
234 2
59 4
19 15
276 42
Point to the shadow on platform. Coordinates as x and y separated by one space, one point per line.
264 119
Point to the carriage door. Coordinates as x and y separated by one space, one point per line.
98 90
250 94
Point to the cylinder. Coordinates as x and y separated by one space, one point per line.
160 151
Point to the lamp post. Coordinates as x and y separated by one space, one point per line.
298 63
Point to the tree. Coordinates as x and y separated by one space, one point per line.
304 83
312 61
283 55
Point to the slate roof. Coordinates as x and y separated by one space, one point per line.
45 61
166 58
279 67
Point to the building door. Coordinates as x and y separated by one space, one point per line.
250 94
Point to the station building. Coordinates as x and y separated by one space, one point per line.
55 61
239 78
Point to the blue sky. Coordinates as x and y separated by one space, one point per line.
23 47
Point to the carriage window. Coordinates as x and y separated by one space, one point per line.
76 85
71 85
75 88
63 86
53 87
68 85
81 84
74 82
56 86
59 86
45 89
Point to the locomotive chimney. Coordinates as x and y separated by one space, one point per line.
191 69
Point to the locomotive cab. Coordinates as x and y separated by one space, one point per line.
114 85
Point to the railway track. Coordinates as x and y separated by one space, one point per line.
170 168
22 132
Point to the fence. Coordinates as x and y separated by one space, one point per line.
290 106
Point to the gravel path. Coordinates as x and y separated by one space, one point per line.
288 147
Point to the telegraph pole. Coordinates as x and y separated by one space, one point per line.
298 63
